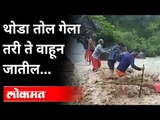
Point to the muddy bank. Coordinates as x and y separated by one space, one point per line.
97 90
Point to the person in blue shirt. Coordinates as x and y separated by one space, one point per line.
126 60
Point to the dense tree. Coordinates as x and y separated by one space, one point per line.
131 30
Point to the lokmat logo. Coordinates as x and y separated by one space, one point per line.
42 94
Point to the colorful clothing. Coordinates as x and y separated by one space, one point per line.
90 52
157 87
120 73
96 64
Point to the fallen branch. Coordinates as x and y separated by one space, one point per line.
138 84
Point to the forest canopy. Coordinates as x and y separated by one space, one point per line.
131 30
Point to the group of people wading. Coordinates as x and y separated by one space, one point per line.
117 53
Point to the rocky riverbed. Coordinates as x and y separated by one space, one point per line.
97 90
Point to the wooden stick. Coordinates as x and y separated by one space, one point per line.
124 83
141 82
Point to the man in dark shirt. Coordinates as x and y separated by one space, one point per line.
113 57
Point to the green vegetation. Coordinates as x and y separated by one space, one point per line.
131 30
